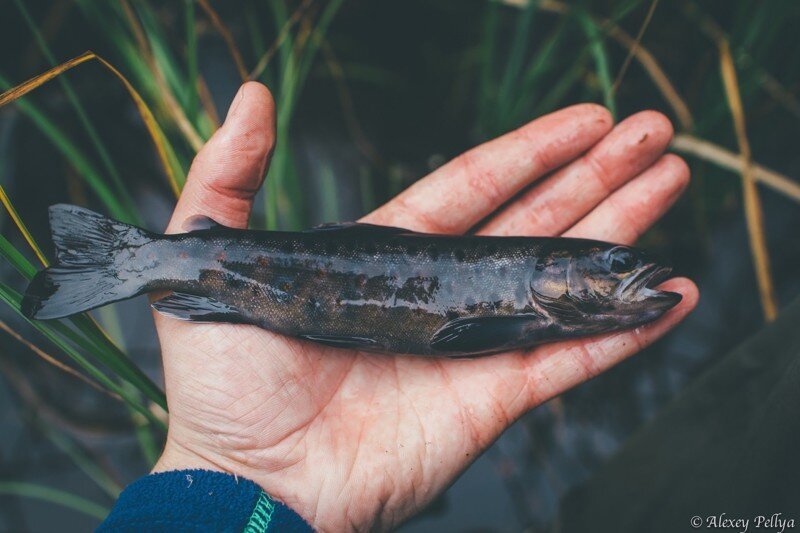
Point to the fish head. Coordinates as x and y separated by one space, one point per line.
600 286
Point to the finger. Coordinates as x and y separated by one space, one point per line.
630 211
555 368
467 189
562 199
228 171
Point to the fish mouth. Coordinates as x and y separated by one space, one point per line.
642 288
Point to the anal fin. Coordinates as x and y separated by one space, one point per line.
190 307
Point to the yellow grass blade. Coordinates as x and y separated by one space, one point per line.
158 137
169 100
752 204
6 201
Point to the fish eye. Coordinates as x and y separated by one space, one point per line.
621 260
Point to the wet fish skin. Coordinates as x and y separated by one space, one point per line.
357 286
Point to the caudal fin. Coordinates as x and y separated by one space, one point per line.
86 273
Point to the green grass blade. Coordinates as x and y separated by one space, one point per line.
57 332
16 259
542 64
330 203
191 60
74 155
560 89
515 60
82 461
598 51
488 51
93 339
51 495
130 212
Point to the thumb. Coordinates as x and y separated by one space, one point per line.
228 171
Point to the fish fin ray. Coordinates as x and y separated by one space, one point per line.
483 334
359 227
344 341
193 308
85 274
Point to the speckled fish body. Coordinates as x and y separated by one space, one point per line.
358 286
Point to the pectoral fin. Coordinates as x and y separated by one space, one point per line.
359 227
198 309
484 334
338 341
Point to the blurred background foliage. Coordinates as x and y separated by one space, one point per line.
371 95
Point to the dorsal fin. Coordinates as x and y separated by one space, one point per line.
201 223
359 227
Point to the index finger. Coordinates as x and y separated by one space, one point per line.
463 192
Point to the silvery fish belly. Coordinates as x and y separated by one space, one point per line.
356 286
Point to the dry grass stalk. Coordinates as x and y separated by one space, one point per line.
227 36
53 361
150 123
282 35
752 204
636 44
642 55
713 153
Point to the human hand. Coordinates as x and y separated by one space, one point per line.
357 440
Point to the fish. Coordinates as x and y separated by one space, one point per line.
354 285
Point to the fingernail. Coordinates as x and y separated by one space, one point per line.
237 100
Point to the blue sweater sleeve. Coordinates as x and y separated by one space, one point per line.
199 500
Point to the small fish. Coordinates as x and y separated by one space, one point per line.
358 286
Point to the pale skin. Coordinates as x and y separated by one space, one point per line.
352 440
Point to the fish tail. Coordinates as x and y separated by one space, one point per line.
86 272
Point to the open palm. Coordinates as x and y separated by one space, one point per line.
356 440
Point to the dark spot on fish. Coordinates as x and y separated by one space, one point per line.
286 287
331 248
361 280
459 255
452 315
262 261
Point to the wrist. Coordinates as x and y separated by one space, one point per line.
177 456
